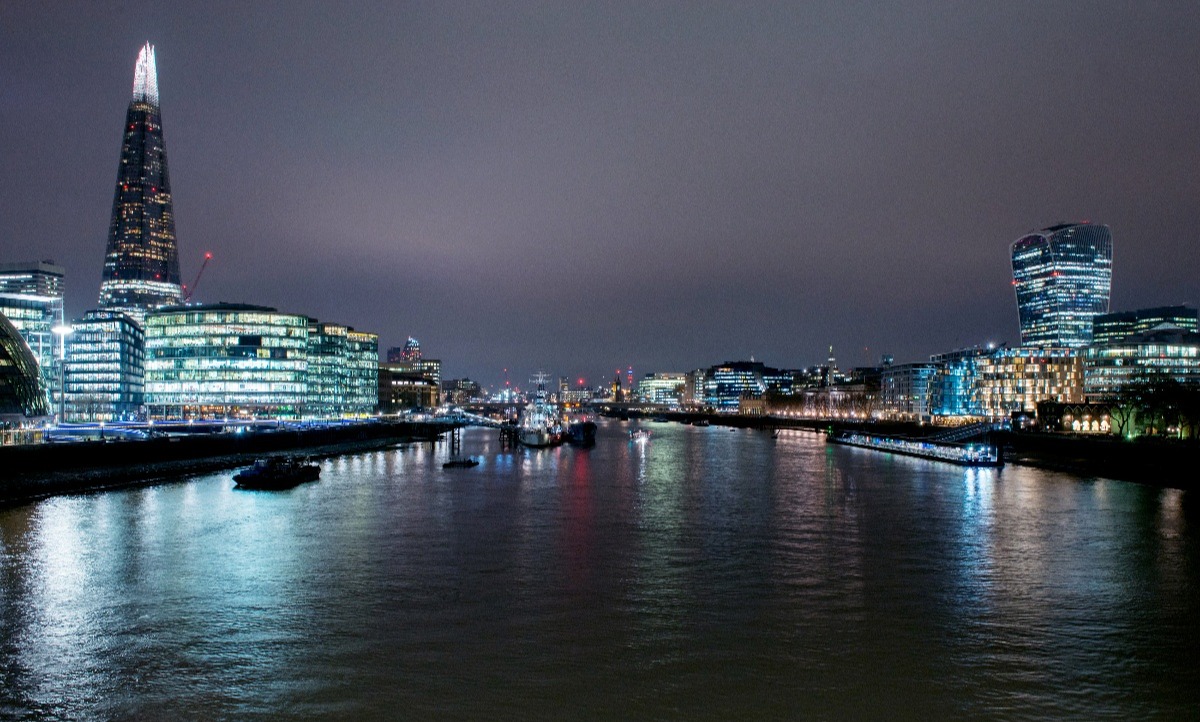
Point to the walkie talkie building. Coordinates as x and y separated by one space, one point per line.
141 264
1063 278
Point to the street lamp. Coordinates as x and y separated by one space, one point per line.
62 330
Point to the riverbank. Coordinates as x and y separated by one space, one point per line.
1156 462
37 471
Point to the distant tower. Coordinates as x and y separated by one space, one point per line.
831 368
141 265
1063 278
412 349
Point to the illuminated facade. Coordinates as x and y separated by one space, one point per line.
662 388
725 385
141 263
31 297
1111 327
954 391
1063 278
226 361
343 368
1163 354
1012 380
104 374
905 391
410 352
402 387
22 399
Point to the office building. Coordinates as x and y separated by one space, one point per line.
1160 354
1063 278
954 392
1111 327
665 389
408 353
342 375
727 384
1014 380
22 398
31 297
141 263
226 361
104 370
905 391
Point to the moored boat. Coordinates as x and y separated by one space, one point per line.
278 472
460 463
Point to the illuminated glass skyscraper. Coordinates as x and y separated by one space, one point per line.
1063 277
141 265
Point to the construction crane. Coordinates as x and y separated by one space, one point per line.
189 290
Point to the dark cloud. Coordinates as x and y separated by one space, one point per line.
581 187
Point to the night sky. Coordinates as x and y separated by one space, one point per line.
577 188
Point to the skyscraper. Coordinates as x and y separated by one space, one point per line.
141 265
1063 278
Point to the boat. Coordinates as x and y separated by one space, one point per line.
540 424
660 419
954 453
639 434
581 433
277 472
465 462
700 422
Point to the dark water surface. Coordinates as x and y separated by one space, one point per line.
705 574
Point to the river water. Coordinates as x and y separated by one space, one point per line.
702 574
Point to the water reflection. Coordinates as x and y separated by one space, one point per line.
705 574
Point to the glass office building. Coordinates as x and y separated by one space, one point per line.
104 374
954 392
226 361
662 388
141 263
1063 278
1162 354
343 371
905 391
1111 327
22 399
725 385
31 297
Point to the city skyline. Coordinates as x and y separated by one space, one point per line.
582 189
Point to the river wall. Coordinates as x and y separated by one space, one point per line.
34 471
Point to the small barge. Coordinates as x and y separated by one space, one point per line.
962 454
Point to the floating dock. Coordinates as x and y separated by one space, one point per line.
961 454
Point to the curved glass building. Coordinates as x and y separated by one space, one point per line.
21 396
1063 278
141 263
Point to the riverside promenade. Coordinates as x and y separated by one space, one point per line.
39 470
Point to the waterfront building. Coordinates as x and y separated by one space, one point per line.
665 389
464 391
343 369
104 371
1160 354
954 391
226 361
1110 327
905 391
726 384
402 387
1014 380
141 263
22 398
31 297
1063 278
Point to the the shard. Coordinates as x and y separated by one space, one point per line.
141 265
